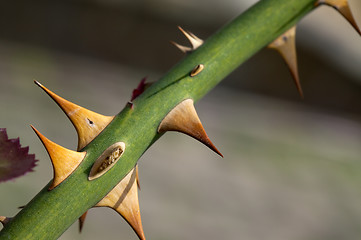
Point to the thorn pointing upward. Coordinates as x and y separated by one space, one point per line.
286 46
124 199
193 39
88 124
64 161
183 118
343 7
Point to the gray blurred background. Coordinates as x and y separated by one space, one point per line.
292 167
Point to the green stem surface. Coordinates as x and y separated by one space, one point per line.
50 213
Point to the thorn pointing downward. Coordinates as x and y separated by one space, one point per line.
343 8
124 199
194 40
286 46
64 161
82 220
126 203
88 124
183 118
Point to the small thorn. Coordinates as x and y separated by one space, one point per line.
81 221
286 46
64 161
124 199
4 220
183 118
106 160
193 39
88 124
137 176
199 68
184 49
343 7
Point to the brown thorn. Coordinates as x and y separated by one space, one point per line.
82 221
343 7
64 161
137 176
123 198
88 124
195 41
286 46
183 118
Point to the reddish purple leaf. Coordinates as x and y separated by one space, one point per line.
14 159
140 89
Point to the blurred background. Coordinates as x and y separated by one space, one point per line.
292 167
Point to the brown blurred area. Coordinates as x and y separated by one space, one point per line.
292 167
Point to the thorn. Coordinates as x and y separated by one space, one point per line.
107 160
199 68
343 7
4 220
64 161
81 221
137 176
184 49
286 46
124 199
193 39
183 118
88 124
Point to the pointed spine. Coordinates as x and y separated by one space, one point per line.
82 221
64 161
286 46
343 7
124 182
88 124
193 39
124 200
183 118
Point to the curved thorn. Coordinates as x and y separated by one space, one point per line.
193 39
183 118
82 221
286 46
343 7
64 161
137 176
88 124
184 49
123 198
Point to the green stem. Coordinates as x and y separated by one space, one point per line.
50 213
